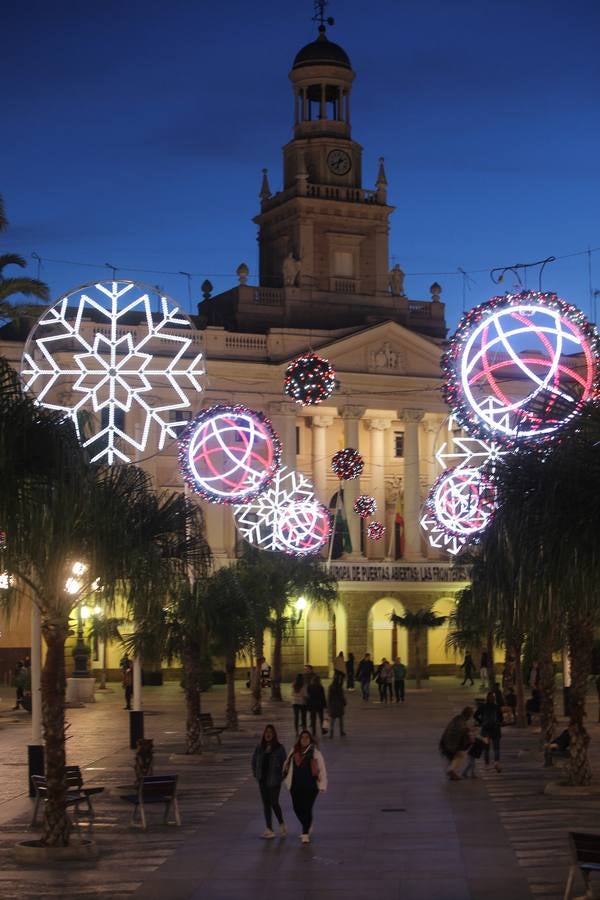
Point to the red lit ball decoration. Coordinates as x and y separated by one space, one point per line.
229 454
309 379
521 366
305 528
376 531
463 502
347 464
365 506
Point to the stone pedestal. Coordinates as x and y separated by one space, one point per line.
80 690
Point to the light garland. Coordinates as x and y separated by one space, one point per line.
229 454
347 464
365 506
286 517
521 366
309 379
102 349
376 531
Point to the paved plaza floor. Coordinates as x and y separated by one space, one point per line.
390 824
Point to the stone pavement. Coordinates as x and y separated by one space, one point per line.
390 823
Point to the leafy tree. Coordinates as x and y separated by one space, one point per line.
418 623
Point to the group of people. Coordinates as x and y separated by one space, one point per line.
303 771
389 677
309 700
462 746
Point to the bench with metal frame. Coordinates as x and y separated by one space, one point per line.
155 789
585 850
209 729
73 798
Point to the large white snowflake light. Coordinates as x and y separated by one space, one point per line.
468 452
286 517
123 354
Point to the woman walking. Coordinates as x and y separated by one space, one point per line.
299 701
315 702
336 704
267 767
305 777
489 716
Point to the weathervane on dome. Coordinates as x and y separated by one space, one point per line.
320 16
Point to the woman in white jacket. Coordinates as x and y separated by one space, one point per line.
306 777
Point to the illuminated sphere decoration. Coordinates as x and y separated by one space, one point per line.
309 379
286 517
347 464
463 501
365 506
229 454
521 366
376 531
122 352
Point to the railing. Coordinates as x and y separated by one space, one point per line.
344 285
382 571
268 296
332 192
253 342
419 308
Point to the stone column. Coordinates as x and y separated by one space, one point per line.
320 459
377 429
412 491
352 416
284 422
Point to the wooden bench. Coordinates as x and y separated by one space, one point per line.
74 798
209 729
155 789
585 850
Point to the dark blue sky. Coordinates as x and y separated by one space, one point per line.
134 133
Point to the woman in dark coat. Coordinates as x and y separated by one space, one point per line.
267 767
489 716
315 702
336 704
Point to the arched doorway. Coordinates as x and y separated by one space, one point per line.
440 662
318 633
385 638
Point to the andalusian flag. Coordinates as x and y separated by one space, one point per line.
342 542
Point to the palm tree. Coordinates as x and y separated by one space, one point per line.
229 625
10 287
469 626
105 629
418 623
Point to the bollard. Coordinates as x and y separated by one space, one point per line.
136 727
35 760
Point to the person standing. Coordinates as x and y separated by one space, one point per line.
299 701
489 716
268 760
399 679
305 776
350 672
19 680
483 670
128 684
336 704
364 674
455 742
469 666
385 676
315 702
339 667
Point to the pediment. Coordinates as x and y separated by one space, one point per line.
384 349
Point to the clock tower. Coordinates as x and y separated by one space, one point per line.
323 232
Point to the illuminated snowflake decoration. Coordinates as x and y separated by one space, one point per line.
365 506
309 379
469 452
347 464
463 501
376 531
229 454
438 537
286 517
521 366
104 350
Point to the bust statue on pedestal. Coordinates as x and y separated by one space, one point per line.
396 281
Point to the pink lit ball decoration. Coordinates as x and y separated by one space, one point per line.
347 464
309 379
229 454
463 502
521 366
376 531
365 506
305 528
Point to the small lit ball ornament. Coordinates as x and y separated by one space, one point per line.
229 454
309 379
365 506
347 464
376 531
521 366
463 502
305 528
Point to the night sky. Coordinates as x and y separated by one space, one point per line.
134 133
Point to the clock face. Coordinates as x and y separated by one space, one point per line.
339 162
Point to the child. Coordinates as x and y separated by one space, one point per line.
475 750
